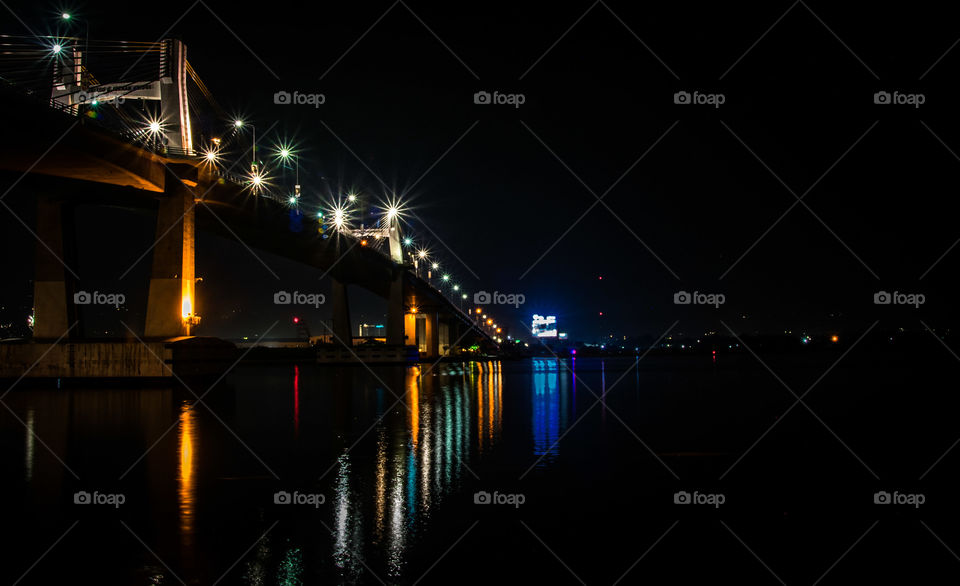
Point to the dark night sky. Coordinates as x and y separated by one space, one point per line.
598 99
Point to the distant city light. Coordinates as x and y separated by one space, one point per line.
544 326
834 338
422 253
392 212
446 277
56 49
154 126
211 155
292 200
352 197
456 287
407 241
65 16
284 153
435 266
238 123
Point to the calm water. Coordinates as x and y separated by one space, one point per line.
387 489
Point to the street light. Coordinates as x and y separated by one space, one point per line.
238 124
285 154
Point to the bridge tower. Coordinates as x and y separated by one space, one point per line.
71 89
174 105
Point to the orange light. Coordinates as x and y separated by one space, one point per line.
478 310
498 330
489 322
413 309
363 243
834 338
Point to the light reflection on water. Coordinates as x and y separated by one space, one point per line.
381 496
550 406
413 471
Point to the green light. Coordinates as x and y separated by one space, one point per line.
319 214
408 241
66 16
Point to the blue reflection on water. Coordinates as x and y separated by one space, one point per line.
549 408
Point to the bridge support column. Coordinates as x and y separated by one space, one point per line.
53 286
410 329
395 322
432 334
342 334
444 335
171 302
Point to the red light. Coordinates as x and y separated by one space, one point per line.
296 320
601 313
600 277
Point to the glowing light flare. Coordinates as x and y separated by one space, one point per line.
339 217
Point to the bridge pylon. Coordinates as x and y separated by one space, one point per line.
171 302
55 309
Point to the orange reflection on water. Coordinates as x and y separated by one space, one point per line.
186 477
413 390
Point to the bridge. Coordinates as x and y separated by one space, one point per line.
155 139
